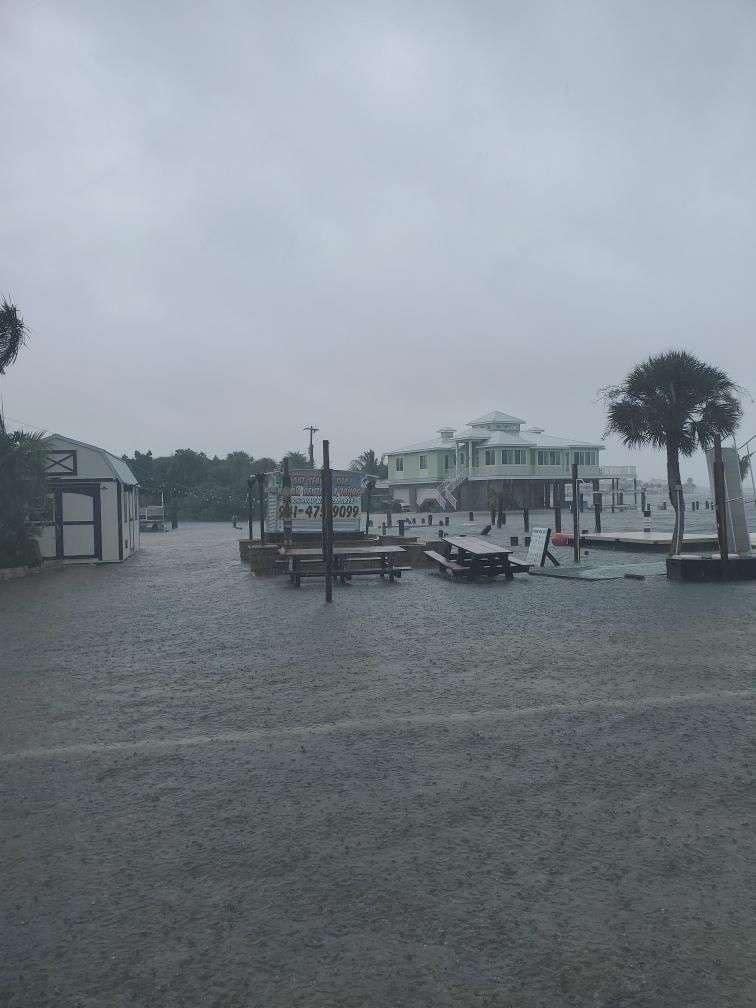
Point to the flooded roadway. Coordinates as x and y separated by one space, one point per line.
216 790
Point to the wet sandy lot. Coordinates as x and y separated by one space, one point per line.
218 791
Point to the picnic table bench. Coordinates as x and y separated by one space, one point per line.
308 562
476 557
445 564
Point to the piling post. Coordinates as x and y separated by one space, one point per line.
368 500
250 484
327 520
575 513
526 519
614 494
720 500
597 505
557 507
286 499
261 496
635 492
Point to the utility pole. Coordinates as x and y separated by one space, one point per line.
313 430
326 512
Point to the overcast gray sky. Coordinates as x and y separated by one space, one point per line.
225 220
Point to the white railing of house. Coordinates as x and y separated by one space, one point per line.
445 492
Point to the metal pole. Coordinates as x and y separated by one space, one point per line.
261 494
327 521
721 502
249 506
575 514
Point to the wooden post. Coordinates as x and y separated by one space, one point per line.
368 499
249 506
575 513
501 517
720 500
635 492
597 504
614 495
557 507
326 513
526 518
286 498
261 496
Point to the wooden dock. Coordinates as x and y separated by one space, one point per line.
653 542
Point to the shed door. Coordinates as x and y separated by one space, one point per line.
78 533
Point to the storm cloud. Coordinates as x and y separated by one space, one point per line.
226 220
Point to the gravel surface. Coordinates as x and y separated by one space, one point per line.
218 791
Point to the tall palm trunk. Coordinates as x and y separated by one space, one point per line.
674 488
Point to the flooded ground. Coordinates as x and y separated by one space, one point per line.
218 791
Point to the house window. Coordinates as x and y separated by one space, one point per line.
399 463
549 458
446 462
475 458
587 458
490 456
513 456
423 461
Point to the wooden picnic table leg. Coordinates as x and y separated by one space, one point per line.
507 568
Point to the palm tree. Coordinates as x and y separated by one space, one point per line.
367 462
12 338
22 492
676 402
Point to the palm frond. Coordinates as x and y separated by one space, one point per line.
12 334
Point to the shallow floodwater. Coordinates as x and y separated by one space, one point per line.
218 790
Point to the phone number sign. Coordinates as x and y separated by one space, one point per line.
307 500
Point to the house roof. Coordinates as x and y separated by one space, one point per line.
495 416
118 467
497 439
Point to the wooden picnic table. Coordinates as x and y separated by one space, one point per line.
301 557
482 556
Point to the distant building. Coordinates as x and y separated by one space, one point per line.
463 469
93 504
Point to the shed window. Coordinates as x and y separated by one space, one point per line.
423 461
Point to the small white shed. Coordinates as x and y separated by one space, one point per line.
93 499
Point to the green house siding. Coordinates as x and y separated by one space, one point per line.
412 473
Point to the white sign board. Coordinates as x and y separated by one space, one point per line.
307 500
539 544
